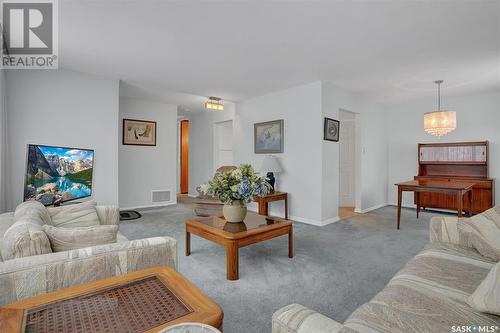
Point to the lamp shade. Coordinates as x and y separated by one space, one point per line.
271 164
440 123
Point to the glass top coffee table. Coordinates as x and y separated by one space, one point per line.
255 229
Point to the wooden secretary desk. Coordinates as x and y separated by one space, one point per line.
455 162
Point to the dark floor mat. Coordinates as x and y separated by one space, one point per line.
126 215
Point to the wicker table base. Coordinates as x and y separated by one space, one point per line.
133 307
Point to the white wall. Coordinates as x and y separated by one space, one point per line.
373 156
371 161
300 108
478 118
201 144
3 143
144 169
62 108
310 164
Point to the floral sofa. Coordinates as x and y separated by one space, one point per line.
432 293
28 276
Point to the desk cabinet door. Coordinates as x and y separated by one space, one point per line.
481 200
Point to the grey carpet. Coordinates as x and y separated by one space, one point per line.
336 268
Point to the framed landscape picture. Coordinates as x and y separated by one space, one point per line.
139 132
331 130
269 137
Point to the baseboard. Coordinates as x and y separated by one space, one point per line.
430 209
305 220
150 206
366 210
314 222
402 206
330 220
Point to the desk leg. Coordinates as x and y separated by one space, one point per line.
460 203
232 261
286 208
417 195
290 243
400 194
263 208
470 203
188 243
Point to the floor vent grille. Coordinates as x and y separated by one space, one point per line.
161 196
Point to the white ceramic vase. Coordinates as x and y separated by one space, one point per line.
234 212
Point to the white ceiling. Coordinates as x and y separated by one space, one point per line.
240 49
186 103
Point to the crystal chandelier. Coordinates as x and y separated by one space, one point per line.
440 122
214 103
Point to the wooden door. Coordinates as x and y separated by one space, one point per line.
184 155
223 142
347 163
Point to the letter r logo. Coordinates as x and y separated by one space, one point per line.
27 27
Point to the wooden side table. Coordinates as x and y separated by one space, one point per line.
266 199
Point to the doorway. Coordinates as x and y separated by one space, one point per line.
184 156
347 164
223 144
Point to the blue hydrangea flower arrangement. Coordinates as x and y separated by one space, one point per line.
242 185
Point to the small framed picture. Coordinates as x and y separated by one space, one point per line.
268 137
139 132
331 130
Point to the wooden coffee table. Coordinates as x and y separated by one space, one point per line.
256 228
144 301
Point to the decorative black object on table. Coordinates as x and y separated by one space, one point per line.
271 180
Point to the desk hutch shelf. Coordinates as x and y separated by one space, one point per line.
457 161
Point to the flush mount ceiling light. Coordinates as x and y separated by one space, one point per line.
440 122
214 103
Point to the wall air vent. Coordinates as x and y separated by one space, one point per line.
161 196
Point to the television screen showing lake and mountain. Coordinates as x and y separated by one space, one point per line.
58 174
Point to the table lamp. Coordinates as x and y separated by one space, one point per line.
271 164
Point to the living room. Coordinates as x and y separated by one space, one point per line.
409 91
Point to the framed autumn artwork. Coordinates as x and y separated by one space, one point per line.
138 132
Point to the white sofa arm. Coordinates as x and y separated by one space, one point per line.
108 214
445 229
30 276
296 318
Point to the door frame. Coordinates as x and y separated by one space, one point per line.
358 152
353 172
181 160
216 142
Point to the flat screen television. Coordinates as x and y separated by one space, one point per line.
58 174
